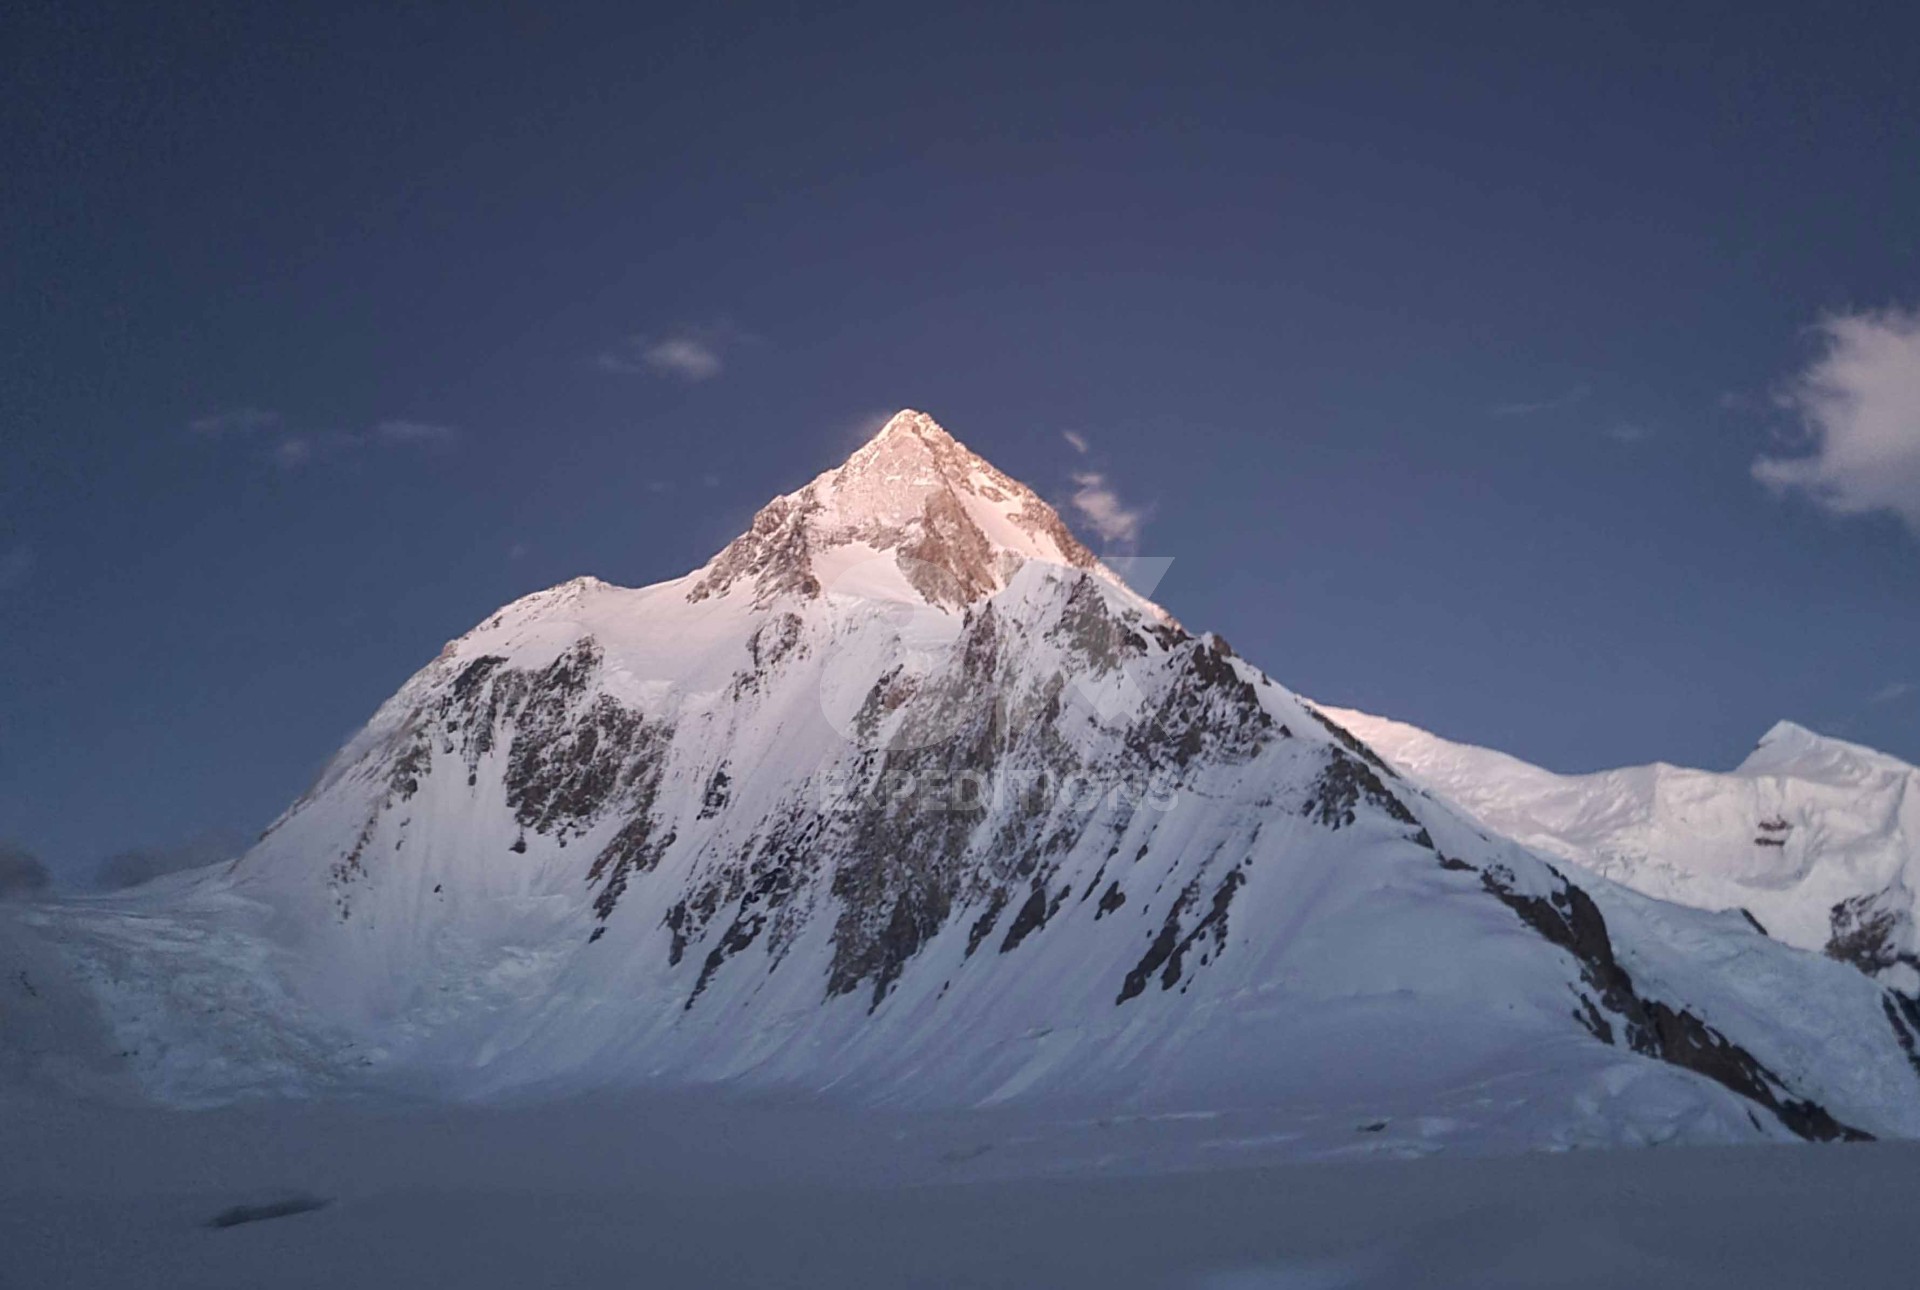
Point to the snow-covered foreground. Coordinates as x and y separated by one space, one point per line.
705 1191
1356 1181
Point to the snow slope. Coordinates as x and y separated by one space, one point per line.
1819 840
905 798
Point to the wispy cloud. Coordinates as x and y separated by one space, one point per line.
686 358
1628 432
234 421
1097 501
1894 692
293 452
1100 505
293 447
296 447
691 354
1577 394
1859 408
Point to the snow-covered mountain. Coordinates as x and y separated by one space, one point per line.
905 796
1816 839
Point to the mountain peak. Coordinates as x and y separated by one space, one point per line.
1790 748
889 476
911 422
914 506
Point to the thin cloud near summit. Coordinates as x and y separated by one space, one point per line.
1099 504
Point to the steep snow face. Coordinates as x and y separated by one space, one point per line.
1816 838
905 797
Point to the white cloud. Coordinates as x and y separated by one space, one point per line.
1101 506
687 356
1894 692
684 357
1526 409
1628 432
1859 407
1076 440
234 421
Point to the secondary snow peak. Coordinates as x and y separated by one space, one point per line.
1815 839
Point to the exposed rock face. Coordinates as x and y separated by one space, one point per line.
1169 948
1903 1014
1869 931
1343 785
574 757
1568 917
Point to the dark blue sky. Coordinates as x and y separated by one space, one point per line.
1435 343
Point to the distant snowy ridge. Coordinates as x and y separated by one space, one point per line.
905 796
1816 838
